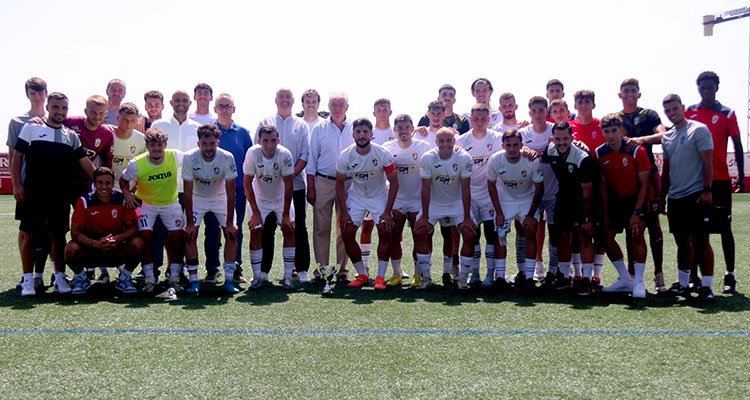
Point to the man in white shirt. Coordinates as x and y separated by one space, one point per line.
271 193
128 142
521 184
209 173
294 135
407 154
508 109
310 104
203 94
446 197
481 142
327 140
482 90
369 165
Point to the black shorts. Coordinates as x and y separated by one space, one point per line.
568 215
685 215
40 217
619 212
721 193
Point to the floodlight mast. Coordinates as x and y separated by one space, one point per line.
708 30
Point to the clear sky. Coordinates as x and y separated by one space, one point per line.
401 50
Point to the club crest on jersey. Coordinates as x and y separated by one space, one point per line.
114 213
97 142
489 146
714 119
132 149
492 213
178 222
624 162
636 120
216 170
413 156
275 166
374 162
455 167
570 169
288 162
523 173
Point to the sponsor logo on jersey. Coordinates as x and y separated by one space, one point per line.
162 175
489 146
414 156
624 162
523 173
275 166
455 167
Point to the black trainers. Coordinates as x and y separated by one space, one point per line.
582 287
447 279
549 281
678 290
596 285
500 284
528 286
730 284
705 294
562 283
211 277
695 284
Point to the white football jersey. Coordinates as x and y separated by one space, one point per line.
209 177
480 151
366 170
268 184
538 142
380 136
407 162
515 181
445 175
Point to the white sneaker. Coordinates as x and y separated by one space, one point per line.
639 290
149 284
621 285
27 288
425 284
303 278
461 284
539 271
61 286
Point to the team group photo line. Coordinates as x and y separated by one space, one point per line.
142 184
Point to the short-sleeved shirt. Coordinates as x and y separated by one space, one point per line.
722 123
269 173
480 151
209 177
538 141
407 162
496 117
368 171
14 129
445 175
203 119
156 184
125 150
571 171
621 168
97 219
502 127
590 134
237 141
182 137
99 143
640 123
380 136
515 180
50 154
294 134
682 149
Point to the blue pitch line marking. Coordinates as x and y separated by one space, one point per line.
313 332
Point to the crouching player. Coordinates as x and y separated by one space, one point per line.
155 175
625 183
446 197
271 192
407 153
521 184
208 173
104 233
369 165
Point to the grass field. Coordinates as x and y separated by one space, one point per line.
366 344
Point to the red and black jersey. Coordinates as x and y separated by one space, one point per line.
97 219
722 122
621 168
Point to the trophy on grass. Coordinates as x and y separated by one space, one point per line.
328 273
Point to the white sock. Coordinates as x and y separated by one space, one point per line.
148 270
396 264
564 267
366 247
466 267
707 281
639 268
175 270
256 257
529 270
683 276
622 269
489 254
423 263
587 269
382 267
288 255
359 266
447 264
577 267
41 275
499 268
28 276
229 268
598 265
193 277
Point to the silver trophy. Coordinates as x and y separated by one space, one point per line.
328 273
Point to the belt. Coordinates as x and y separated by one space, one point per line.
333 178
